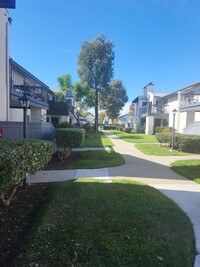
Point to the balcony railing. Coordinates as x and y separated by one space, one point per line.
38 95
154 109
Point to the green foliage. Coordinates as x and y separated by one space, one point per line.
127 130
113 99
164 138
187 143
95 62
160 129
64 124
120 128
109 127
65 82
88 127
19 157
69 138
182 142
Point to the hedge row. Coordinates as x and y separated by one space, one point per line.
69 137
19 157
182 142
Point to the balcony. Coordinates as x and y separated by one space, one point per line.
38 96
190 99
154 110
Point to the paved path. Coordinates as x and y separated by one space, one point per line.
152 170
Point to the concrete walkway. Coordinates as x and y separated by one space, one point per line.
152 170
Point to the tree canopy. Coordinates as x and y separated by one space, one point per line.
114 99
95 66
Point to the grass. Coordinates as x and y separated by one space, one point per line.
135 138
188 168
91 159
97 140
92 223
156 150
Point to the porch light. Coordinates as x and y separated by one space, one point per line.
174 111
24 101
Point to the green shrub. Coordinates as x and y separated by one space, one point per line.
19 157
64 124
187 143
182 142
109 127
88 127
161 129
120 128
127 130
164 138
69 138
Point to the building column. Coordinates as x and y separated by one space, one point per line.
149 125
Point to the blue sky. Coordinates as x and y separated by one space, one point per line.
155 40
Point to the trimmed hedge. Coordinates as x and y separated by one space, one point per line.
63 124
69 138
109 127
187 143
182 142
19 157
127 130
161 129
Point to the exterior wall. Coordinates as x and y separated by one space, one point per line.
182 119
4 81
149 125
37 115
124 119
16 114
173 104
197 116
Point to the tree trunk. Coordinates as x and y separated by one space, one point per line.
96 110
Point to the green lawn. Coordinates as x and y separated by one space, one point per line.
188 168
135 138
91 159
91 223
156 150
97 140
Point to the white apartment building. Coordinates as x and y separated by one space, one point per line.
152 110
146 112
187 103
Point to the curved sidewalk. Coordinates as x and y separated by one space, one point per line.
155 171
152 170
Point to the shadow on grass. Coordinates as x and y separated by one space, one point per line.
191 172
92 223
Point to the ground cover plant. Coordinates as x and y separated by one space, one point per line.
188 168
135 138
99 139
157 150
91 159
88 222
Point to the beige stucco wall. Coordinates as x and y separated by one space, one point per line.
4 80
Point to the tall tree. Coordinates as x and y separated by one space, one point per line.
66 93
114 99
95 66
